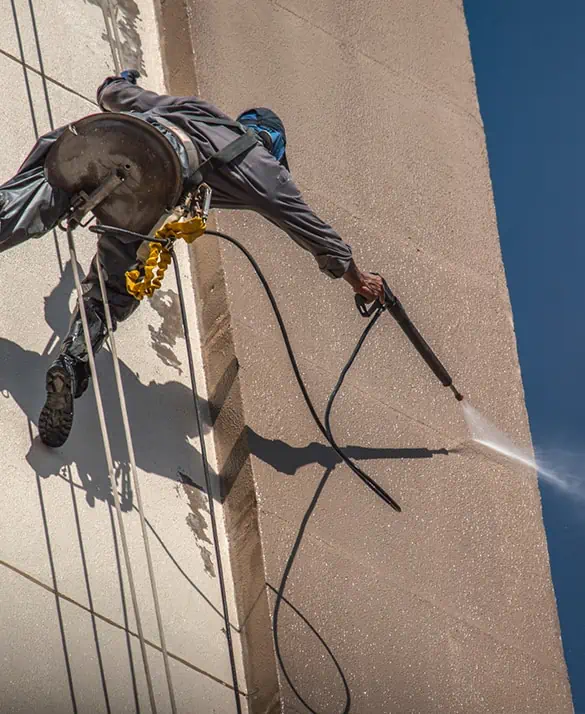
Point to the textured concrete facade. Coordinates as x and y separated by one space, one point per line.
447 607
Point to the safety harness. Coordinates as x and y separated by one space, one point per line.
193 206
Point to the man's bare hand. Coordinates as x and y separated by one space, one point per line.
370 286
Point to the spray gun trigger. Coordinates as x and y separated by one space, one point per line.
362 306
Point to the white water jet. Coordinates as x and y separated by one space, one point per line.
485 433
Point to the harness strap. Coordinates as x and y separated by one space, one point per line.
232 151
222 122
236 148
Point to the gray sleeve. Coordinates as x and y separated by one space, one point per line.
116 94
286 208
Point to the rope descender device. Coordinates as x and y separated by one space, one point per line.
141 283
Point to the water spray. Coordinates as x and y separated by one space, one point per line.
482 431
395 308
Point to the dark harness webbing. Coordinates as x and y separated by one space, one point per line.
232 151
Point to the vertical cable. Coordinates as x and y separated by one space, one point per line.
208 485
110 462
135 481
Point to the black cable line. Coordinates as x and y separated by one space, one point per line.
303 526
208 484
361 474
326 431
280 597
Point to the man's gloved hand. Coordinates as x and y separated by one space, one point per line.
130 75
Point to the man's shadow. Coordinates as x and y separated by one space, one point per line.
162 444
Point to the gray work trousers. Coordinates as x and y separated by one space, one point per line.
30 208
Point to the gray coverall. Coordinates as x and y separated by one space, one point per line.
255 181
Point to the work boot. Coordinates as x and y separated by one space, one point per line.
56 417
68 377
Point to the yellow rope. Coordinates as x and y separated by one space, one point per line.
144 282
188 230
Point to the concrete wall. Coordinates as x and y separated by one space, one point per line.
447 607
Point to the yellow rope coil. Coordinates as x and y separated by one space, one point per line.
144 282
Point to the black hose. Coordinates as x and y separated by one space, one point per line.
326 431
370 483
301 532
344 372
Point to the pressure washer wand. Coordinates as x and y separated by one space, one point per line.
395 308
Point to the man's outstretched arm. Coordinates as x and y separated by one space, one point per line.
121 94
286 208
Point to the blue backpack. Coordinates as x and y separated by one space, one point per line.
269 128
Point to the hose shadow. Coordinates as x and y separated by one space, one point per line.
25 70
288 459
22 380
58 608
162 443
44 80
46 531
86 578
19 379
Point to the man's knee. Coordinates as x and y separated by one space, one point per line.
121 303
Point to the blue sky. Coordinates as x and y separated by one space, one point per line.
529 59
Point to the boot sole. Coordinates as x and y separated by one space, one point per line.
56 417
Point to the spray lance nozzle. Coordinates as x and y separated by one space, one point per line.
395 308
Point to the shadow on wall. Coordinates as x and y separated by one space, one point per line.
289 459
160 446
121 20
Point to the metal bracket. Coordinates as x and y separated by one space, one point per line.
83 203
198 202
204 198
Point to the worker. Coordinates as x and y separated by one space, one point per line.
258 180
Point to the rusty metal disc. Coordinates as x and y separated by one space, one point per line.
90 149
